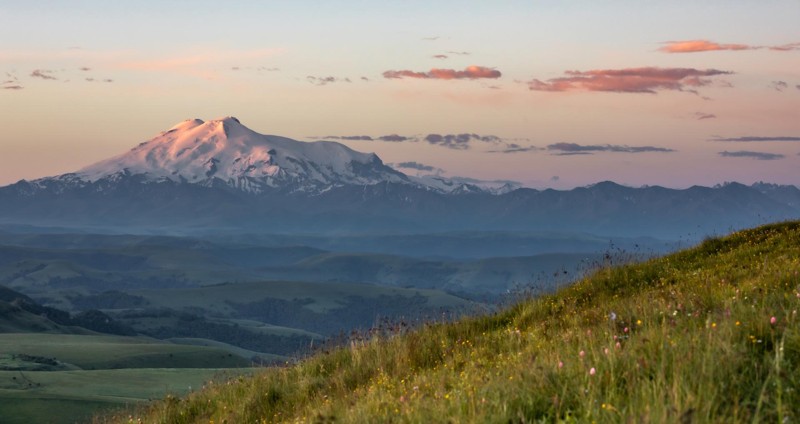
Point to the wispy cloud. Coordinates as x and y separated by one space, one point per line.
563 149
43 74
90 79
630 80
695 46
779 85
751 155
394 138
434 38
786 47
462 53
701 116
416 166
11 83
515 148
471 72
752 138
439 56
459 141
325 80
452 141
348 137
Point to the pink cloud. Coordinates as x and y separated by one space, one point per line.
630 80
471 72
693 46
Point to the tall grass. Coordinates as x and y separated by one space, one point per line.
709 334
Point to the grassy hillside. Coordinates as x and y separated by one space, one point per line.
710 334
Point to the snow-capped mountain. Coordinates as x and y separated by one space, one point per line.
217 175
460 185
225 151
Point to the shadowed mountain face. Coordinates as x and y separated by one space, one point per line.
219 176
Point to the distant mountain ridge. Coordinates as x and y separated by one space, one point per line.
218 175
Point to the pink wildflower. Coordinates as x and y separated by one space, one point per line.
773 320
592 371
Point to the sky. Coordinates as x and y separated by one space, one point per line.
546 93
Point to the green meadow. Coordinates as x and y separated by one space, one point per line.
64 378
74 396
708 334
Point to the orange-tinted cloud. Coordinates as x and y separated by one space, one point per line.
471 72
694 46
630 80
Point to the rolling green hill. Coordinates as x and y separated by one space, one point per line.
64 378
709 334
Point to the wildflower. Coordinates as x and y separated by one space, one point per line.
738 323
582 354
605 350
560 364
773 320
713 325
592 371
612 316
618 345
638 322
625 330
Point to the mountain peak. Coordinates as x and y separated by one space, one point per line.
200 152
229 119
